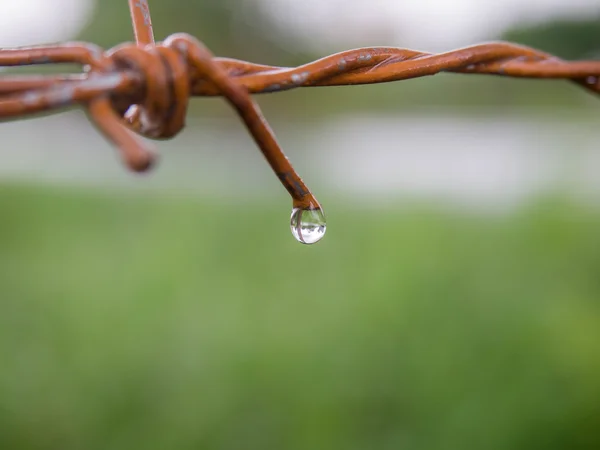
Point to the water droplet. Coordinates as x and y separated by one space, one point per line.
308 225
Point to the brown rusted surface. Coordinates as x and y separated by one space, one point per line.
143 87
142 22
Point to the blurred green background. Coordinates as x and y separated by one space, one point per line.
162 319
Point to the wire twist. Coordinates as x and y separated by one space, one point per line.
143 88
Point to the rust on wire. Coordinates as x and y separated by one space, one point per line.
143 88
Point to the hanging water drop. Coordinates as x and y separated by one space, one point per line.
308 225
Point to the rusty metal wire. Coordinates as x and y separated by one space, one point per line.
143 88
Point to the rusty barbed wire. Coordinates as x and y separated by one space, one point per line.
143 88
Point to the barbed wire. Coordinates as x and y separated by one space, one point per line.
143 88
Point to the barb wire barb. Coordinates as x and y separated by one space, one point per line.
144 87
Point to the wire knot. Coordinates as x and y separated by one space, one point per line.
160 110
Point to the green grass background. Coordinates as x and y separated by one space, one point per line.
155 321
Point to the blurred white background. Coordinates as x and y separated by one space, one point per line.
432 25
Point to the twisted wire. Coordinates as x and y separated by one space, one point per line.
143 88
